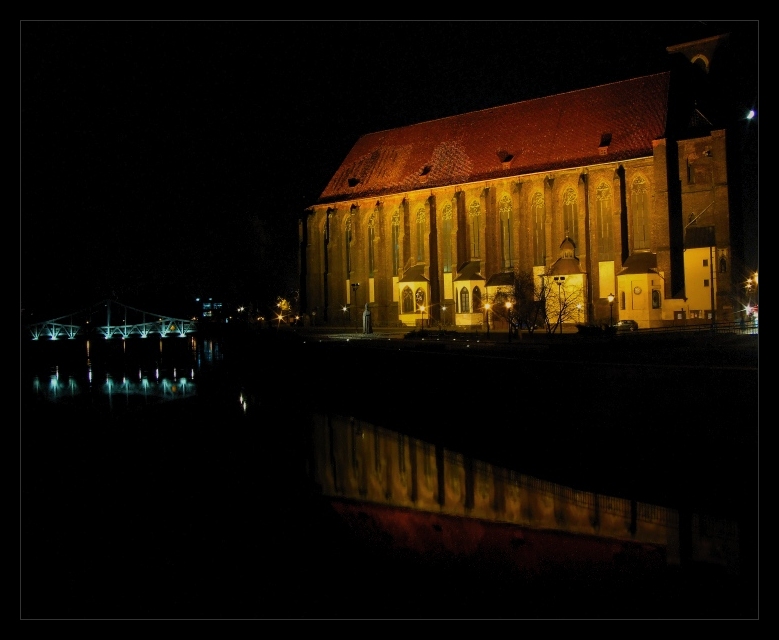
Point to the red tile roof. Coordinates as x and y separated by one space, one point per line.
566 130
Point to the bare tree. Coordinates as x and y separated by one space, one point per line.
530 302
562 304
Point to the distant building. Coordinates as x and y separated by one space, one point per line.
618 189
212 311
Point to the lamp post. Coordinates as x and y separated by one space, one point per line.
487 313
508 317
422 309
344 308
443 314
611 309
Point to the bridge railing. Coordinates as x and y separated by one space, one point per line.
133 322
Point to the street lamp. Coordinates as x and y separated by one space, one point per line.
422 309
487 313
611 309
443 314
344 308
508 317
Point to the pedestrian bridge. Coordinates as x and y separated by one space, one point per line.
110 319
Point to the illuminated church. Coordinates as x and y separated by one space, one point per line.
616 195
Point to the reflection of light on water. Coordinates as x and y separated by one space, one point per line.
109 384
147 381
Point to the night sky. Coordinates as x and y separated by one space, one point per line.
164 160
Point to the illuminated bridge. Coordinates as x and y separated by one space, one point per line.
110 319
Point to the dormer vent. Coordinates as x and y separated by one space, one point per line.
605 141
505 157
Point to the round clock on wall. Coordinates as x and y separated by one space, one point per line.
637 290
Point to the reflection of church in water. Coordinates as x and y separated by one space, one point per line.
617 194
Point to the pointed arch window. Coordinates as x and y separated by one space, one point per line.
371 244
421 234
539 240
348 236
475 215
505 233
570 214
476 299
326 242
419 297
465 303
447 238
639 199
605 230
407 301
395 243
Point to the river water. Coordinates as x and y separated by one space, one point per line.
171 478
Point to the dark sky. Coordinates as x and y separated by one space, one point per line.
161 160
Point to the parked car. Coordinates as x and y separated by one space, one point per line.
626 325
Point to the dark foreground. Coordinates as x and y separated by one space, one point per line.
200 509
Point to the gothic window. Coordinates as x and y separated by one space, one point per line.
539 242
371 240
325 241
505 232
603 212
420 298
655 299
348 235
476 299
447 238
639 197
570 214
408 300
475 214
465 304
395 243
421 234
